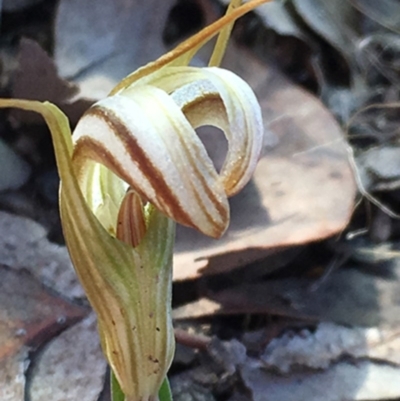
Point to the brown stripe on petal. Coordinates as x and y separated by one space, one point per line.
209 99
230 181
131 225
212 101
88 149
237 169
218 228
222 211
141 160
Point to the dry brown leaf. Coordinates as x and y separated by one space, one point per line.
199 308
385 12
98 42
29 317
348 296
303 188
36 78
336 21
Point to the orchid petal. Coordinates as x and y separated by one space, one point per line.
160 158
103 192
245 131
241 119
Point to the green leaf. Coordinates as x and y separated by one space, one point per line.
165 391
116 392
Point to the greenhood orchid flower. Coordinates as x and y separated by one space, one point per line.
145 134
133 167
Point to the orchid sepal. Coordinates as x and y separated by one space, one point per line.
120 281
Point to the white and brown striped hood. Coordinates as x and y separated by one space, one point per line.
145 134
